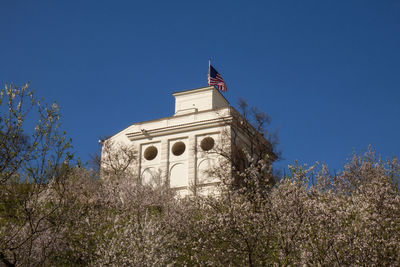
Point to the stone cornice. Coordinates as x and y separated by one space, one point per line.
207 88
196 125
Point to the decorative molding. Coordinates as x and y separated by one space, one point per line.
192 126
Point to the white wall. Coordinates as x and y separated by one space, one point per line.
207 118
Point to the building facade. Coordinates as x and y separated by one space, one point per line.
182 149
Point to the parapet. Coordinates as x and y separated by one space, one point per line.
200 99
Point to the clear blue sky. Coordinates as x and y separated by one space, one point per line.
327 72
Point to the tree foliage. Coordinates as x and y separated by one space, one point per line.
53 213
33 165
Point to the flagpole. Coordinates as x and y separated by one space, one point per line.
209 65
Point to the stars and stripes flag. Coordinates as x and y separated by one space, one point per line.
215 79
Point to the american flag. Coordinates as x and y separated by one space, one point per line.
214 78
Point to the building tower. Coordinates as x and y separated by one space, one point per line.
181 149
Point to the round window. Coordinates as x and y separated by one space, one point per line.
178 148
207 143
150 153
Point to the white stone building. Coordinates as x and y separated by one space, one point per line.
180 149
